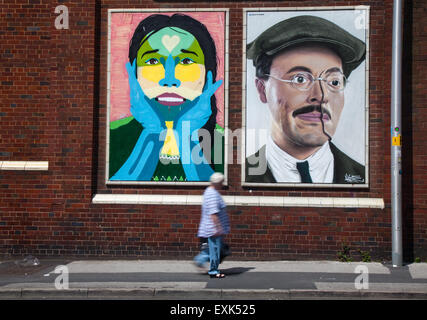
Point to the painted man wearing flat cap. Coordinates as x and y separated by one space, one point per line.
302 66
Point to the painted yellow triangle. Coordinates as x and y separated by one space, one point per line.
170 147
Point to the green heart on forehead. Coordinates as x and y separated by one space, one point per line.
170 41
173 42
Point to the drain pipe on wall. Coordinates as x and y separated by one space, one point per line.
396 136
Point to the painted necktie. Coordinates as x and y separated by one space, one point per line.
302 168
170 148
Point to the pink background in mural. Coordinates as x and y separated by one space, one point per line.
122 28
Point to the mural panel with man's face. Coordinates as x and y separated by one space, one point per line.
306 98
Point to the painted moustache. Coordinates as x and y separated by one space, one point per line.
312 113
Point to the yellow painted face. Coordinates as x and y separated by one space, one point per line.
171 67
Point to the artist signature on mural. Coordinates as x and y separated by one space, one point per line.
353 179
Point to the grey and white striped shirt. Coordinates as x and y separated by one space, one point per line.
212 204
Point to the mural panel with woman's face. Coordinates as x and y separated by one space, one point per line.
171 94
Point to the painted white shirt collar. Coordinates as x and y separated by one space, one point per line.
284 169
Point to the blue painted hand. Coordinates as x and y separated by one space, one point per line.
198 114
145 155
195 165
140 108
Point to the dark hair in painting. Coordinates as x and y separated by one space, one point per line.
263 66
156 22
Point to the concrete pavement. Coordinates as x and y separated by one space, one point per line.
181 280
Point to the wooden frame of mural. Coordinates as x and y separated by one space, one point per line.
167 96
306 97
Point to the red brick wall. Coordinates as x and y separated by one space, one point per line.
53 108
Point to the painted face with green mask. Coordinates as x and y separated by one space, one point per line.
171 70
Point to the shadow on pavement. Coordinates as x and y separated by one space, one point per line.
235 270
